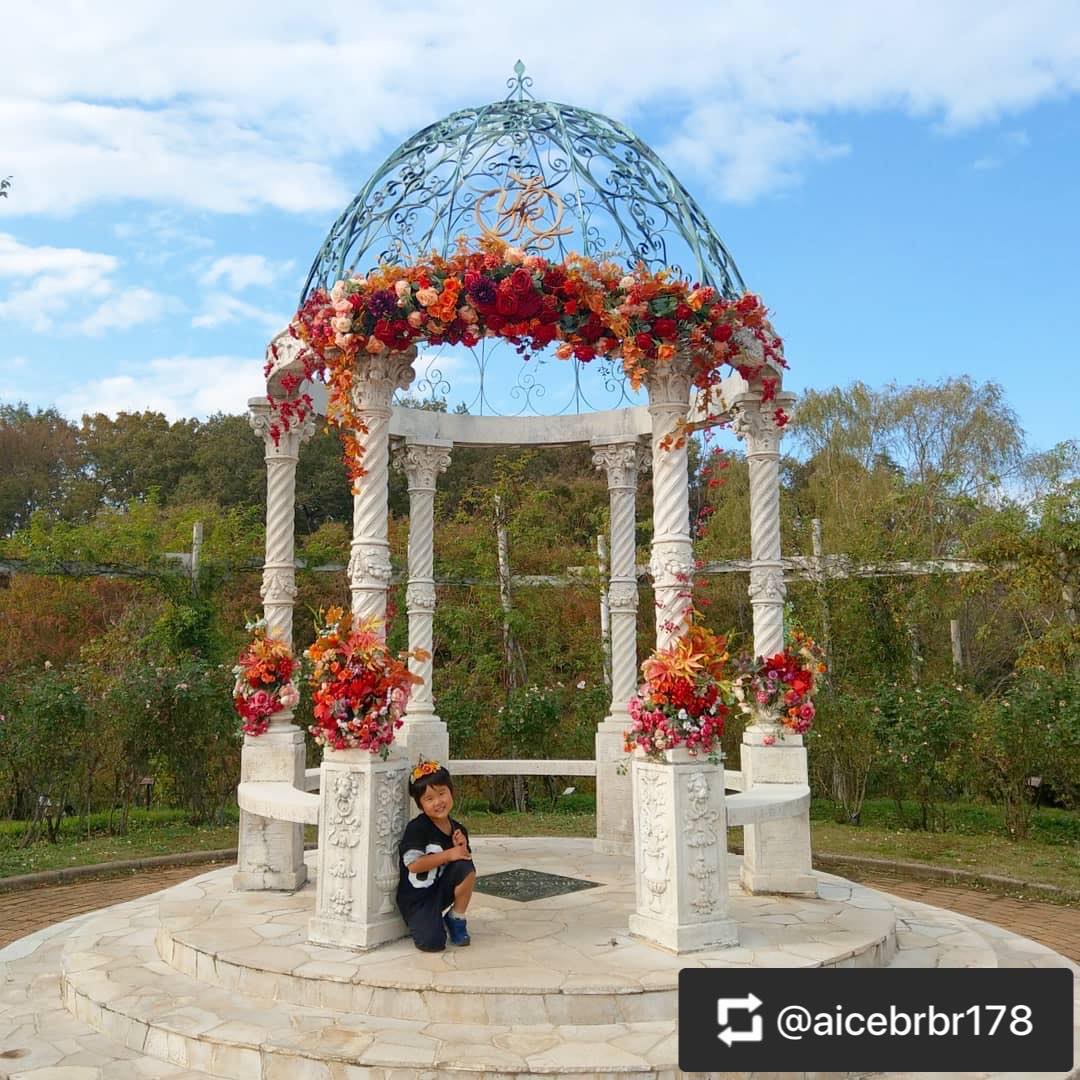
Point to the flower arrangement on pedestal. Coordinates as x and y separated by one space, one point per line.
588 309
359 689
264 680
685 698
782 687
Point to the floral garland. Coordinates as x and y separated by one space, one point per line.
685 697
690 686
264 674
359 690
589 309
783 685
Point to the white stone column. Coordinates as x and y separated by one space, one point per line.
776 855
376 379
422 462
672 562
621 457
362 817
271 853
680 853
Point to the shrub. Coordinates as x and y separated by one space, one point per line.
925 738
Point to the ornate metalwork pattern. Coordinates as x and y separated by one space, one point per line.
550 177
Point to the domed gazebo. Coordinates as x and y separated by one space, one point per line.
548 180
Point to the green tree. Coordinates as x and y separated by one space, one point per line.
39 461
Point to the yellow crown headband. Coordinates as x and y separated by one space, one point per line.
425 768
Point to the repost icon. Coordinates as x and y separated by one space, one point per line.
724 1006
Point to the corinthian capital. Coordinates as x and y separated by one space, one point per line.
422 463
378 376
271 429
668 383
621 460
755 422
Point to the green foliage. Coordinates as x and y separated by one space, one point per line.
925 737
1028 740
44 729
843 748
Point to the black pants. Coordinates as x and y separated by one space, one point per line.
425 920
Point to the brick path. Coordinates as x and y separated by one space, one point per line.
1053 925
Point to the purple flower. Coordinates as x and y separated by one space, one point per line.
483 292
382 304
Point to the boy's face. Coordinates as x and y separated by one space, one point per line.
437 800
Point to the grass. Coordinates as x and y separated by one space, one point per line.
975 840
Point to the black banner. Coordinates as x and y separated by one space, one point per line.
910 1019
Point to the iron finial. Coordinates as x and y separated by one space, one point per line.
519 84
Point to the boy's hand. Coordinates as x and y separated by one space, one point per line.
459 838
458 851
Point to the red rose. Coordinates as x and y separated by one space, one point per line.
665 328
570 307
584 353
529 305
592 328
553 278
521 280
469 339
472 279
721 331
747 304
643 341
506 304
683 311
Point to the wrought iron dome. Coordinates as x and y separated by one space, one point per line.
605 192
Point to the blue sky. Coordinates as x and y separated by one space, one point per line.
900 184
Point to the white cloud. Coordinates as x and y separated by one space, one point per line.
234 107
124 309
69 290
747 155
221 309
178 386
243 271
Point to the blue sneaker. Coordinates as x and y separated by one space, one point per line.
457 929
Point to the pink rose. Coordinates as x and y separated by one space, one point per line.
261 703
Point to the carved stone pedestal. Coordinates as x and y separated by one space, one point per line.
776 854
680 856
361 820
271 853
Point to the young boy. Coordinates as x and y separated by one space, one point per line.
437 873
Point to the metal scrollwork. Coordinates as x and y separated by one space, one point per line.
555 179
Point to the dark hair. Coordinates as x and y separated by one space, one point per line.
419 786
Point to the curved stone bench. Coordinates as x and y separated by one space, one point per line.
279 801
767 802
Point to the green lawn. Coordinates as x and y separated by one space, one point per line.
975 840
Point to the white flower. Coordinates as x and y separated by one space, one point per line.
581 685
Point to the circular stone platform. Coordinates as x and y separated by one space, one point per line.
201 981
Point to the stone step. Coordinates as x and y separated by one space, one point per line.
159 1013
551 962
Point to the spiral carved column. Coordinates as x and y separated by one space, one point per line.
377 378
754 422
776 854
622 458
271 853
672 562
422 462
